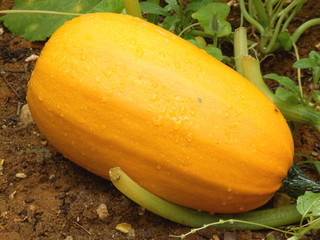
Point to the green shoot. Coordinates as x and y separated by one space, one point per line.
313 62
258 219
307 208
198 20
294 106
271 19
37 20
212 19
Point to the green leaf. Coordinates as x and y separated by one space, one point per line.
316 96
309 204
214 52
153 8
212 19
170 22
305 63
197 4
284 81
286 95
172 5
115 6
285 40
34 27
312 62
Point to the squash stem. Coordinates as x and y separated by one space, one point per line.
250 69
258 219
296 183
133 8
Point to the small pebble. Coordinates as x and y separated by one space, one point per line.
11 196
62 195
1 166
52 177
29 200
102 211
32 207
21 175
69 238
25 115
31 58
141 211
124 227
314 154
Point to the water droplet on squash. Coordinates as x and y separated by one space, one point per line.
241 208
106 73
157 120
182 110
224 204
83 57
164 109
178 121
139 52
189 137
229 189
133 41
154 97
154 84
158 167
40 98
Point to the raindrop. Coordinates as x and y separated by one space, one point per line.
189 137
154 97
164 109
139 52
157 120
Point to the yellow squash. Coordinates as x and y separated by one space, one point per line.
112 90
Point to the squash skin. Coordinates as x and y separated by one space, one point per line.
112 90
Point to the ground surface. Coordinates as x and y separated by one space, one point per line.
56 199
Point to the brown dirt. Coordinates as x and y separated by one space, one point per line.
57 199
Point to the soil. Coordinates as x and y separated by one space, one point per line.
44 196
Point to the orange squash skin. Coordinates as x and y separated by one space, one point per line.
112 90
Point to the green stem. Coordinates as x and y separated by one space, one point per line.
189 27
250 69
296 183
39 12
241 48
292 14
261 12
258 219
274 36
250 19
292 112
303 27
133 8
275 12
